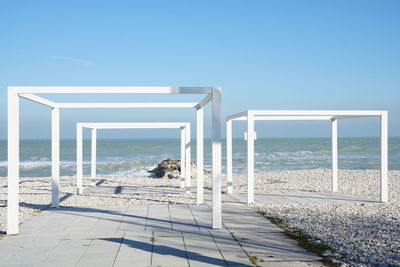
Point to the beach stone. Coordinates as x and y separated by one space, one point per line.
170 168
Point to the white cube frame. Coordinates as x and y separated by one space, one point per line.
185 177
305 115
213 95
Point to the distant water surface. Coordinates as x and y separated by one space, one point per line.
132 157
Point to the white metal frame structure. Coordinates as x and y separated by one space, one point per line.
94 126
212 94
295 115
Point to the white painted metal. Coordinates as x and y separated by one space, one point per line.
185 134
188 165
93 156
39 100
204 102
127 105
229 157
341 117
254 136
334 116
55 157
200 155
13 162
112 90
250 157
317 112
334 136
183 155
27 92
287 118
237 115
216 159
384 157
79 158
132 125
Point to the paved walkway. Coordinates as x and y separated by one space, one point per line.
151 235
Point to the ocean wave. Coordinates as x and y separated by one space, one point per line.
100 164
323 151
351 148
302 154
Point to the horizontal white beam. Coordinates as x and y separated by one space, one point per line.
352 117
39 100
204 102
287 118
131 125
111 90
127 105
317 112
237 115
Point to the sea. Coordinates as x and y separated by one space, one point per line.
134 157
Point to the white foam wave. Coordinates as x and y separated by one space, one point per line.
303 154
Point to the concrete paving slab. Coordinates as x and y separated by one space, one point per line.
102 251
168 250
274 247
233 253
135 250
134 219
143 235
182 219
158 218
290 264
202 216
201 250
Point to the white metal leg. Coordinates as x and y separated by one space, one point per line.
250 158
200 155
13 163
334 155
79 158
55 157
93 156
384 157
183 161
216 159
188 175
229 175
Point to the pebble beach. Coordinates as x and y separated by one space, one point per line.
365 234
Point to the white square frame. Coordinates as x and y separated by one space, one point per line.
213 95
185 150
305 115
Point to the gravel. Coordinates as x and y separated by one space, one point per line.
366 234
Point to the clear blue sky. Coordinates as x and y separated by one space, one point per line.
265 55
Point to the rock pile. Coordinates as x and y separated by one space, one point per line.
170 168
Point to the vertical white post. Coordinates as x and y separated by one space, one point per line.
216 159
93 156
229 178
55 157
200 155
188 174
13 163
334 135
250 157
183 144
79 158
384 157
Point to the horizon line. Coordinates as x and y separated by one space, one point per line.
145 138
